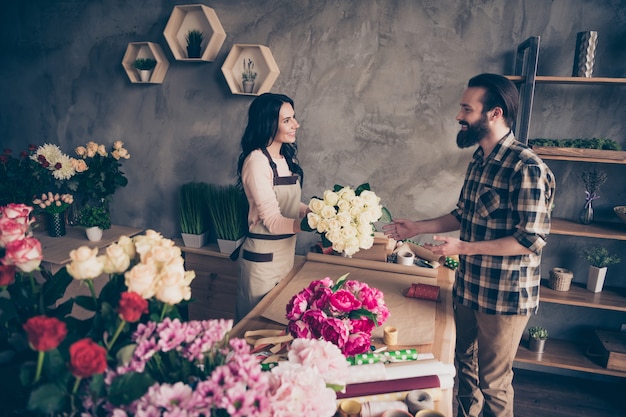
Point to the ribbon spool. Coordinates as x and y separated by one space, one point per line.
390 336
418 400
405 257
350 408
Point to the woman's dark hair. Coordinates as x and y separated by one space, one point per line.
262 127
499 92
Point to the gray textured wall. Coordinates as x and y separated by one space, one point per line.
376 85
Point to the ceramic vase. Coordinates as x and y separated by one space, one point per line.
144 75
228 246
248 87
56 224
195 241
595 280
94 234
536 345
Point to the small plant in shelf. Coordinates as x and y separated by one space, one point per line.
145 67
593 180
537 337
96 215
194 43
248 75
600 257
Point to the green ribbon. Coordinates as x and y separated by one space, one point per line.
384 357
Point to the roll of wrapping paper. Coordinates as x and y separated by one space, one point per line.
395 385
373 265
436 393
423 291
381 372
385 357
422 252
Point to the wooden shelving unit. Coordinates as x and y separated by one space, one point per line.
561 353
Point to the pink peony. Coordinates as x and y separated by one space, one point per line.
343 302
322 355
335 331
297 305
357 343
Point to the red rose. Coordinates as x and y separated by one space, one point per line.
87 358
132 306
45 333
7 275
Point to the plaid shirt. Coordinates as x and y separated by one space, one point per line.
509 194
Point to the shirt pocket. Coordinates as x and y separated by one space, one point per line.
488 203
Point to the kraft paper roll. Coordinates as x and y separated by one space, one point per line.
358 374
390 336
373 265
422 252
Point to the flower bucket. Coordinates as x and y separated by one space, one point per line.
195 241
228 246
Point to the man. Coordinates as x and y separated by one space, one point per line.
503 215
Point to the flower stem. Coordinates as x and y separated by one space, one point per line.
164 311
92 291
40 358
118 331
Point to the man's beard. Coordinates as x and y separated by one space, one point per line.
473 134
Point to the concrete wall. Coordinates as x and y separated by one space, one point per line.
376 85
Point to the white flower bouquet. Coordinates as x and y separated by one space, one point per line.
344 217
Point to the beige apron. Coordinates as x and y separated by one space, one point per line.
265 259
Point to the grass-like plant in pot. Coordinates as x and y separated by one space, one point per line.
194 43
193 213
145 64
228 208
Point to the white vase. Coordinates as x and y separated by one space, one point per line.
195 241
144 75
228 246
94 234
595 280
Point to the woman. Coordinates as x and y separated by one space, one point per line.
269 173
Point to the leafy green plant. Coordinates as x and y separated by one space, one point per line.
228 208
95 215
194 38
192 208
600 257
145 63
538 332
593 143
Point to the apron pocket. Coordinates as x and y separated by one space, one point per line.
257 257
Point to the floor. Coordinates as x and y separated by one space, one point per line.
537 394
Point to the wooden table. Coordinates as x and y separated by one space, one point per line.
56 250
442 347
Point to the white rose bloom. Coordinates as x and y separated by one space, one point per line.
116 259
328 212
348 232
85 263
358 202
313 220
334 236
344 206
339 246
162 255
144 243
322 226
142 280
355 211
346 193
334 224
128 245
365 229
316 205
370 198
376 212
173 286
331 198
344 219
366 241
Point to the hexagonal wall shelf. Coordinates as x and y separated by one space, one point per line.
145 50
199 17
264 65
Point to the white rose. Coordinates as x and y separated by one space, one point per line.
144 243
328 212
334 236
348 232
365 229
344 219
142 279
334 224
346 193
344 206
313 220
85 263
331 198
339 246
173 284
376 212
322 226
116 259
366 241
162 255
358 202
370 198
316 205
128 245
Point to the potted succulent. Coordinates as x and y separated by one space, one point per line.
95 218
193 214
145 66
537 337
194 43
599 260
228 208
248 76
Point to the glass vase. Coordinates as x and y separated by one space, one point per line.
56 224
586 214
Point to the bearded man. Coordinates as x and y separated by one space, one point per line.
503 214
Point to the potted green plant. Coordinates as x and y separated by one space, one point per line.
248 76
95 218
537 336
194 43
228 208
193 214
599 260
145 66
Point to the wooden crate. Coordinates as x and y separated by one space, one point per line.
613 346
